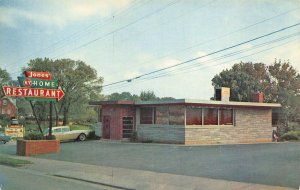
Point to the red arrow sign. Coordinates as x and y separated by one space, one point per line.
33 92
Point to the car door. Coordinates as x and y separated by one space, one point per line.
67 135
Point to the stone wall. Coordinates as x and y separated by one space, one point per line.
251 126
161 133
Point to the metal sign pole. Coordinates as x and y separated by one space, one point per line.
37 121
50 122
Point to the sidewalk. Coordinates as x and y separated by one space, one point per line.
121 178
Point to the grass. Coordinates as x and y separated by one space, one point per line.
80 127
7 161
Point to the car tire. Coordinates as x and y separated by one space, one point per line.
82 137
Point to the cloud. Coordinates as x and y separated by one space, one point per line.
58 13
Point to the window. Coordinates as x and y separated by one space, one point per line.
193 116
162 115
146 116
57 130
4 102
67 129
225 116
210 116
176 115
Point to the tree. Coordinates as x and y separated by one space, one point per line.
240 83
4 79
148 95
78 80
279 82
123 96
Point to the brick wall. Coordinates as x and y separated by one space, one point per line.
116 114
161 133
251 126
34 147
8 109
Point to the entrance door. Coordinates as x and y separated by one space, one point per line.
106 127
127 127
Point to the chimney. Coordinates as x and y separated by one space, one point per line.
258 97
222 94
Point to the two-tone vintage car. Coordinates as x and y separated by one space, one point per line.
63 133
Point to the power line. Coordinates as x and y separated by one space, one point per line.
208 66
77 34
196 58
121 28
181 50
216 38
187 68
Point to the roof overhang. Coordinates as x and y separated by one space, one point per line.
117 102
209 103
212 103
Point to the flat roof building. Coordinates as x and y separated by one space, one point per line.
185 121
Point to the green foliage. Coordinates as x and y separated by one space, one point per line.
279 82
4 79
24 107
4 120
91 135
148 95
7 161
78 80
291 135
123 96
80 127
240 83
38 136
34 136
134 137
84 115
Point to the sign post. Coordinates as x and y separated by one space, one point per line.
37 86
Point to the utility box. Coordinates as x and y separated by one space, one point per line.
222 94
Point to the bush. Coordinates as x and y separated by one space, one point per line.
134 137
38 136
34 136
91 135
291 135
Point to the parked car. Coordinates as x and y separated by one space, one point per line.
63 133
4 138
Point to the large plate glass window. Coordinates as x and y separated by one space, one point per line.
210 116
162 115
193 116
226 116
146 116
176 115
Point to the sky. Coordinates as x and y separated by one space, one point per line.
126 39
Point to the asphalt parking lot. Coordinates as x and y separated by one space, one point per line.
271 164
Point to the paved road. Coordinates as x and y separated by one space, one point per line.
15 179
270 164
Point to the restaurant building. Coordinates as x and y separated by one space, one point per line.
185 121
